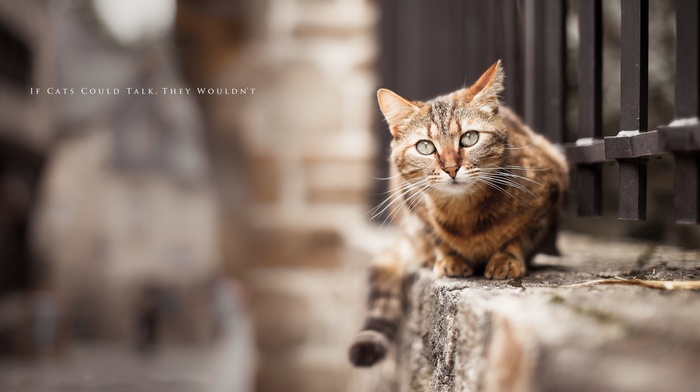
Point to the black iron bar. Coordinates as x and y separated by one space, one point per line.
687 59
633 145
634 53
589 175
682 136
686 188
545 44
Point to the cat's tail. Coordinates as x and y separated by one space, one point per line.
385 306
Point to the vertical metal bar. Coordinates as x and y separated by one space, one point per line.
510 51
544 79
687 188
555 71
388 77
590 73
408 41
634 49
436 43
633 105
687 173
488 22
589 177
632 188
687 58
533 62
545 44
472 34
589 185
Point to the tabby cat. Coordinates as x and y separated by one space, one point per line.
475 190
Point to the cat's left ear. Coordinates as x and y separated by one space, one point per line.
486 90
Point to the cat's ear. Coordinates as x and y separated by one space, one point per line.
394 107
486 90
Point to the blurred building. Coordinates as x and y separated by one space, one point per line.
27 131
105 195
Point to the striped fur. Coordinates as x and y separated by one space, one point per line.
484 209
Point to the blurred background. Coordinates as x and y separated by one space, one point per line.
192 242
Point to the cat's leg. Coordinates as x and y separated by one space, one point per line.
511 261
508 263
449 264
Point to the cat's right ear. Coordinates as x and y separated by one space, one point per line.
395 108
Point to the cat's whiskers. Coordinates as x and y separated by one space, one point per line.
397 188
503 171
521 147
394 211
424 191
506 178
513 184
501 178
387 178
411 202
386 204
416 201
505 175
494 180
419 191
515 167
495 186
397 194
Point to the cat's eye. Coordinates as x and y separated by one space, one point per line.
469 138
425 147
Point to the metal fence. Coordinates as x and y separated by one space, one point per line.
635 144
429 47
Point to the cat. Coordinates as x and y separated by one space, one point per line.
474 189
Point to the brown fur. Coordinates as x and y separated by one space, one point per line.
484 208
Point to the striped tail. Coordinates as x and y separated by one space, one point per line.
384 312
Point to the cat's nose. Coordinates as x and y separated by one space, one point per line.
452 170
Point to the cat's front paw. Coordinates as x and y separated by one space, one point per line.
452 267
504 265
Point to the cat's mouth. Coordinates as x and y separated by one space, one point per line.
458 181
454 185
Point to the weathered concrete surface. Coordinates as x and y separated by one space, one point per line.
533 335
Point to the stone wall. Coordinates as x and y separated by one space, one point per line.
534 335
295 159
310 157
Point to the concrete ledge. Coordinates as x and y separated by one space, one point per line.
532 335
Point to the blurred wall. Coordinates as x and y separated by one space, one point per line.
295 161
124 201
27 57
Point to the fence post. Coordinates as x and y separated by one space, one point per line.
545 67
588 153
633 145
682 136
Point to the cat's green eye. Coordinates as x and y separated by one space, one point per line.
425 147
469 138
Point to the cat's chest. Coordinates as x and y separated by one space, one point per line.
474 233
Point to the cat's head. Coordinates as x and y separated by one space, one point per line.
443 142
